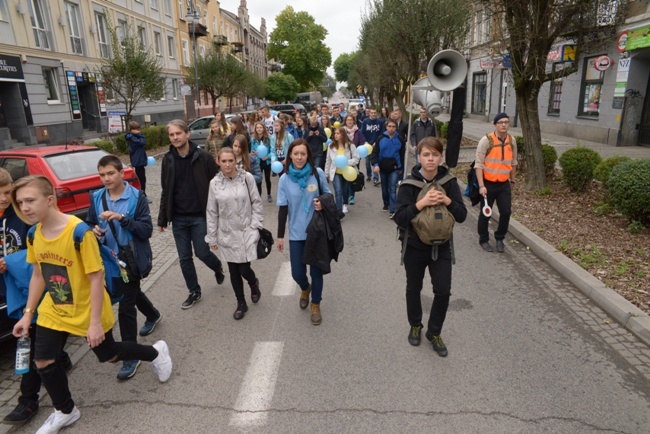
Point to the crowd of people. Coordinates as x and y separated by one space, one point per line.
212 197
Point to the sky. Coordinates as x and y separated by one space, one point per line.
341 18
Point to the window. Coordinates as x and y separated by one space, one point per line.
478 93
592 82
142 37
186 53
51 84
175 88
122 29
17 167
202 51
555 94
39 24
168 7
157 42
170 47
102 35
72 11
154 4
4 16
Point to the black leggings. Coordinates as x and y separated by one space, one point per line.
267 177
141 173
238 272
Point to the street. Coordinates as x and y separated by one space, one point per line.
527 351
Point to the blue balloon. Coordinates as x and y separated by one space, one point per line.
328 142
262 151
151 161
277 167
362 151
341 161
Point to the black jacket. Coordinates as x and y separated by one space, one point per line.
204 167
406 210
421 130
324 236
316 140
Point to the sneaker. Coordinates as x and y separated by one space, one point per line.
304 298
194 297
316 317
58 420
241 310
255 291
391 215
351 200
368 179
385 208
128 369
438 345
163 363
487 247
220 276
269 198
345 209
22 413
415 337
376 182
148 326
500 246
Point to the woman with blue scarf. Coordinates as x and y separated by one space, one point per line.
298 192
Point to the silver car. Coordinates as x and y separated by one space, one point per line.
200 128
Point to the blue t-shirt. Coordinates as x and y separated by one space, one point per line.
290 194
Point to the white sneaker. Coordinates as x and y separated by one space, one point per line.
345 209
163 363
58 420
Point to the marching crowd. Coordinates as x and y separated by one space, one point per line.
212 198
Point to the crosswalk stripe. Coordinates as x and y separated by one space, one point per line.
284 283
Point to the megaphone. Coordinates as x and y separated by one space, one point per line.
431 100
447 70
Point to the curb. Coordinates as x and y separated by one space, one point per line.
622 311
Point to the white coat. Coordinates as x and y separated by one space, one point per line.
234 215
330 167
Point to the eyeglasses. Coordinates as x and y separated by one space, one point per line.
503 122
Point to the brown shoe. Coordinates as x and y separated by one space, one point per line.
304 298
316 318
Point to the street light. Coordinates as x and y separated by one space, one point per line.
194 16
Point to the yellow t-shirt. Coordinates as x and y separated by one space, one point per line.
340 151
66 304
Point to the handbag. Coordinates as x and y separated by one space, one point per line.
265 243
359 183
125 253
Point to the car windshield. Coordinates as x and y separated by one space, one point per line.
75 164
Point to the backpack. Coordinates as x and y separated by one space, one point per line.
112 272
472 189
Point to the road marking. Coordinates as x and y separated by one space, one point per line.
284 283
256 393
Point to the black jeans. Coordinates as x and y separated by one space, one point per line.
55 380
415 263
239 272
127 313
502 194
141 173
266 169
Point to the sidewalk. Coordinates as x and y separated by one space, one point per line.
475 129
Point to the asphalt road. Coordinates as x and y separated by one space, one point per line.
527 352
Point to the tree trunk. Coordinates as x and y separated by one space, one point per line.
528 111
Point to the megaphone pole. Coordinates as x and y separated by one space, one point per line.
408 143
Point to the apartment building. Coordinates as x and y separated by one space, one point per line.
605 101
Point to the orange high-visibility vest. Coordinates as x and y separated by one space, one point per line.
498 160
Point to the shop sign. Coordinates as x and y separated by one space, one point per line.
562 53
115 124
10 68
74 94
638 38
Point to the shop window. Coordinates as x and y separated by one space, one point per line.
479 93
592 83
51 85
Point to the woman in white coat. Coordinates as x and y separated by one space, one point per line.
341 145
234 215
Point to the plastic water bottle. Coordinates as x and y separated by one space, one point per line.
22 355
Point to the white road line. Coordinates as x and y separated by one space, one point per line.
257 390
284 283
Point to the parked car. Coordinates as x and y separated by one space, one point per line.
290 109
200 128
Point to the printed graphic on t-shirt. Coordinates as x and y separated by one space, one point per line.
57 283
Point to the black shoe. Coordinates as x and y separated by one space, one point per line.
22 413
500 246
487 247
220 276
385 208
241 310
438 345
255 291
415 336
194 297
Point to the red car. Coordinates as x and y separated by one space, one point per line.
72 169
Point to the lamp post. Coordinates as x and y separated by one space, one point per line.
194 16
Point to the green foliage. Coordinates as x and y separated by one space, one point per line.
578 167
106 145
164 137
629 189
521 148
438 124
281 87
121 145
635 227
152 136
298 43
343 67
604 168
546 191
603 208
327 86
443 130
550 157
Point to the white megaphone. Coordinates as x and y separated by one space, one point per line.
446 71
431 100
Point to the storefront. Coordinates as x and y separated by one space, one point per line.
16 123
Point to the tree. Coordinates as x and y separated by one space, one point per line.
297 42
327 86
132 72
343 67
220 74
529 30
281 87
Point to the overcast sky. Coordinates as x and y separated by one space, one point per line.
341 18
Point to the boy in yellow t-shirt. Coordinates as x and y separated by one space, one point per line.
75 300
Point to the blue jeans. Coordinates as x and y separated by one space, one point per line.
369 171
188 231
342 190
389 188
299 272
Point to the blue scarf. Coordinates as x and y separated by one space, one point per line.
300 177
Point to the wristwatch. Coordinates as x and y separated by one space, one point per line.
28 310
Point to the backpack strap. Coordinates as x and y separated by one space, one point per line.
78 234
30 234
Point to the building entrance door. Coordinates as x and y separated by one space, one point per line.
88 106
644 128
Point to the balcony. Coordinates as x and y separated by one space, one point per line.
237 47
196 30
220 40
